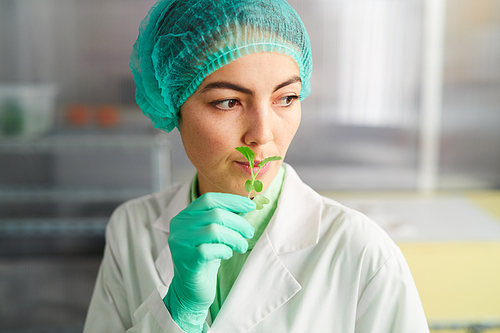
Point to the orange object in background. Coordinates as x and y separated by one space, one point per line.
107 115
78 115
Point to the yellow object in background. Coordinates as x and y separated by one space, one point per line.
457 282
467 288
452 245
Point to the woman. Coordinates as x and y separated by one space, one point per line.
199 257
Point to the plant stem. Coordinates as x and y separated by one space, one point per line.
253 180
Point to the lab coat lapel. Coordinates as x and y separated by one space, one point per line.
164 261
296 222
265 283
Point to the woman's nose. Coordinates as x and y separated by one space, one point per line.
259 126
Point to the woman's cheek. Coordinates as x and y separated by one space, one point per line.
221 134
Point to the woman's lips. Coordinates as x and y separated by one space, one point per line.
246 167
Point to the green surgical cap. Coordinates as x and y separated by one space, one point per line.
183 41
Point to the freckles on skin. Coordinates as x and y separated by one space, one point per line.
205 135
205 128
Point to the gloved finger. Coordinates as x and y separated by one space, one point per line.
231 221
218 234
230 202
209 252
187 222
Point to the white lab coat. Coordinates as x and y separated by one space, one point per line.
318 267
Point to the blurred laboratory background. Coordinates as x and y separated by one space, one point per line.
403 124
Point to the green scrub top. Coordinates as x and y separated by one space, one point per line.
258 219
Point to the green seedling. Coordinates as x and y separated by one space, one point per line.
254 185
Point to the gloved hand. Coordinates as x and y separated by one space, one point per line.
208 230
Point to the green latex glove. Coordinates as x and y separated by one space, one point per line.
208 230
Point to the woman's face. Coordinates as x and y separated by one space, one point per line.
253 101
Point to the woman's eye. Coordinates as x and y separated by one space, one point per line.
287 100
227 104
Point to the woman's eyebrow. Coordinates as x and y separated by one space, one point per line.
284 84
232 86
226 85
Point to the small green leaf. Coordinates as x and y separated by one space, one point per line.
258 186
248 185
264 200
260 201
248 153
269 159
258 204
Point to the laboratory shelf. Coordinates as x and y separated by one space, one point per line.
67 182
69 195
70 329
53 227
60 143
76 142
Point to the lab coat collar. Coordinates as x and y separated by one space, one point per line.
176 205
263 285
296 222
